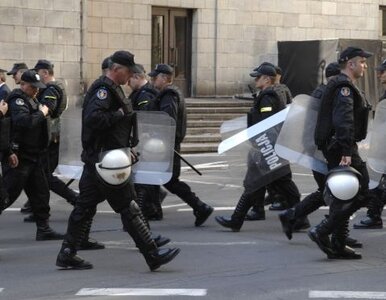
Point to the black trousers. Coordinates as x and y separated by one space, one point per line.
29 175
180 188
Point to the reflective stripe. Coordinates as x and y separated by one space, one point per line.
265 109
143 102
50 97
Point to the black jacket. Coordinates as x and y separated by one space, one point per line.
144 98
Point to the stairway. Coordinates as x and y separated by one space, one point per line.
205 117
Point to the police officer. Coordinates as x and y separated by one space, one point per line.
265 105
143 97
107 124
373 220
55 98
105 65
171 101
5 151
313 201
4 89
29 141
17 70
342 122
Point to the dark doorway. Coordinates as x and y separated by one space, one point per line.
171 43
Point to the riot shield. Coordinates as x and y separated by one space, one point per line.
377 145
296 139
254 160
156 132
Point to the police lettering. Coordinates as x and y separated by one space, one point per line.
269 154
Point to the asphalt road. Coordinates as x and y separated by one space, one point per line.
214 263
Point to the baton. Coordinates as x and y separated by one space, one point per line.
188 163
69 182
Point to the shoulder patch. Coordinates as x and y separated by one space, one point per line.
345 91
19 101
102 94
266 109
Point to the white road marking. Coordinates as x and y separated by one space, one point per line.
1 289
346 295
140 292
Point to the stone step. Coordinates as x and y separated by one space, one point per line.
223 117
218 110
192 102
202 138
199 147
202 130
204 123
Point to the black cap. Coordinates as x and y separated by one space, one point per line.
381 67
139 69
16 67
124 58
264 69
351 52
332 69
3 71
161 68
105 63
32 78
43 64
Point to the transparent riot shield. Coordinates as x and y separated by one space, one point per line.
254 163
156 132
296 139
377 145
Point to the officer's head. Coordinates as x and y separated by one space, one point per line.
352 61
265 75
332 70
105 65
17 70
161 76
121 67
45 69
3 77
30 83
139 77
381 74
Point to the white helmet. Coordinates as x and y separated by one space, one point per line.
343 183
115 167
154 149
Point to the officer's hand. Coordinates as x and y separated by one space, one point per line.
345 161
44 109
121 111
3 107
13 160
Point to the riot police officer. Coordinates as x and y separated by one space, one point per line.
4 89
266 104
29 141
171 101
342 122
107 126
17 70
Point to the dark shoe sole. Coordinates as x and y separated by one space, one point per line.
226 225
360 226
164 260
81 267
286 229
50 238
325 249
94 247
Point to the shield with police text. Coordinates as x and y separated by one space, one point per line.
254 160
377 146
296 139
156 133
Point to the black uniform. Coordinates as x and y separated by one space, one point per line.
342 122
283 92
5 152
55 98
148 196
172 102
4 91
29 136
266 104
105 127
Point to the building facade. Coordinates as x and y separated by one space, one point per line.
213 44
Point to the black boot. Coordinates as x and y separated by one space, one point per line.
67 258
319 235
338 242
287 220
26 209
301 224
374 212
369 223
353 243
141 235
45 233
87 243
235 222
202 213
29 219
160 240
279 203
257 213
